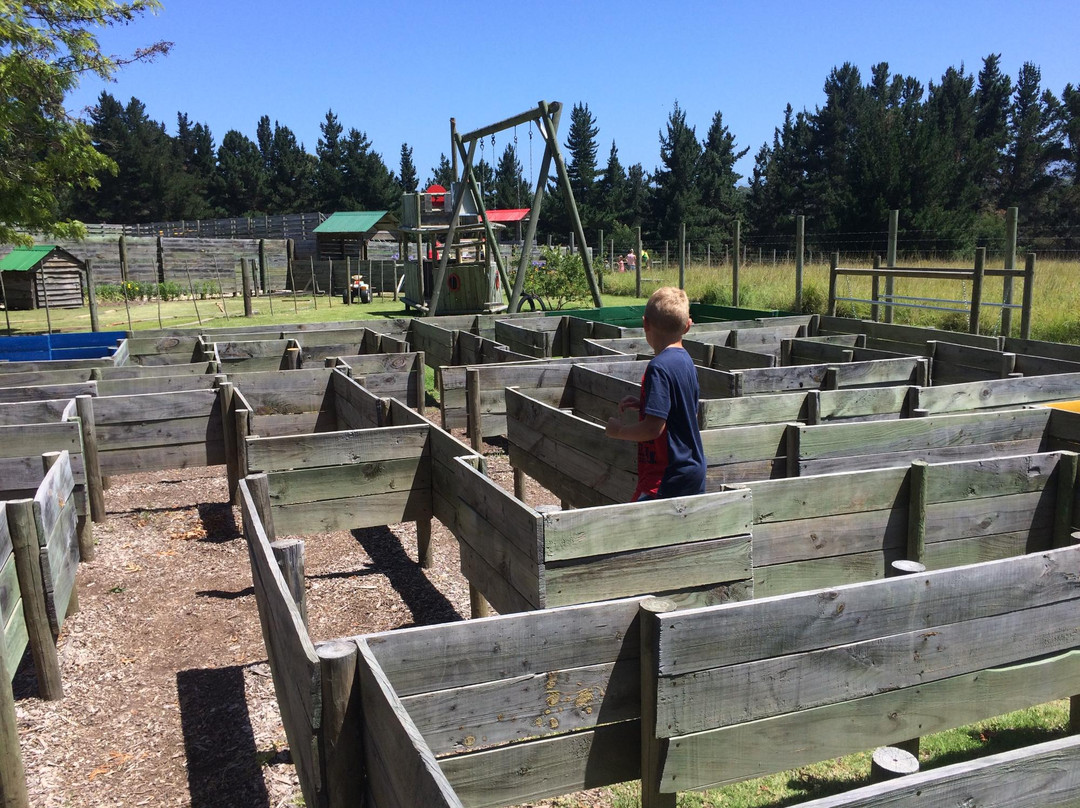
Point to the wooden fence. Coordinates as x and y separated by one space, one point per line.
588 696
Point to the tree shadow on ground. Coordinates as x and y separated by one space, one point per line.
218 739
426 603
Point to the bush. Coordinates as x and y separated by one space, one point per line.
715 294
814 301
558 278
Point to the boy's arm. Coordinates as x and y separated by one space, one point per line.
649 428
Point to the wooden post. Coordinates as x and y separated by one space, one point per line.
876 291
27 550
243 429
890 262
472 409
637 265
160 261
228 435
289 555
424 555
682 255
800 248
519 484
245 280
262 266
653 749
91 298
890 762
916 544
735 253
314 286
1066 493
340 738
976 290
1011 216
834 262
1029 292
45 293
84 409
290 257
13 792
478 607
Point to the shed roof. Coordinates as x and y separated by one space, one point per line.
508 214
357 221
21 259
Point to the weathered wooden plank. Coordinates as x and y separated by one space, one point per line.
336 448
137 371
418 660
780 379
46 392
913 336
268 426
348 513
1036 776
564 486
732 634
933 455
759 409
355 479
30 378
998 393
495 586
1009 513
435 341
830 494
818 573
644 525
518 524
158 458
823 537
533 705
154 384
838 440
862 403
33 412
656 570
979 549
724 358
989 361
1051 350
401 769
525 772
121 437
879 372
755 748
161 406
737 444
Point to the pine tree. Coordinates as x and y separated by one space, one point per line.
329 183
1035 145
722 203
992 95
511 189
443 173
243 177
678 197
611 192
407 176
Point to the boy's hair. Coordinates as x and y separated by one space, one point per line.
668 311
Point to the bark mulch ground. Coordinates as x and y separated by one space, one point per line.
168 699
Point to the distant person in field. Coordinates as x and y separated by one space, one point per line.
631 261
622 264
644 259
671 460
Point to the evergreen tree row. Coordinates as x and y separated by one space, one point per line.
950 157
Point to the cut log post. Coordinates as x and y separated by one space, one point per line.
95 485
653 749
228 436
13 792
472 400
424 554
339 735
478 607
289 554
245 279
1066 492
27 551
890 762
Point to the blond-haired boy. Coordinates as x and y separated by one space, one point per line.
671 461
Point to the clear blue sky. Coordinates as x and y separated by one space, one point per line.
399 72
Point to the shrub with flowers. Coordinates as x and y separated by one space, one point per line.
558 278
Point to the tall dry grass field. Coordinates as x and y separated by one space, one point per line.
942 303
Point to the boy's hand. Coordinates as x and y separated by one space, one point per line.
629 403
613 427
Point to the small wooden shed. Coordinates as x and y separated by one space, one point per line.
346 233
45 275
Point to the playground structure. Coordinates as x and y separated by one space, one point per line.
463 280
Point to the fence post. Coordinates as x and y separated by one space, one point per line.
228 435
26 548
890 262
1029 291
875 291
800 240
653 749
245 280
262 266
91 298
976 289
1066 491
289 555
160 261
735 263
84 409
834 262
340 734
1011 216
637 291
682 255
13 792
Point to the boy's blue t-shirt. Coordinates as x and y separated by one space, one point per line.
673 465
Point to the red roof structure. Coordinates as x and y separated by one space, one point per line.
507 215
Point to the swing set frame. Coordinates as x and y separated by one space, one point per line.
546 118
